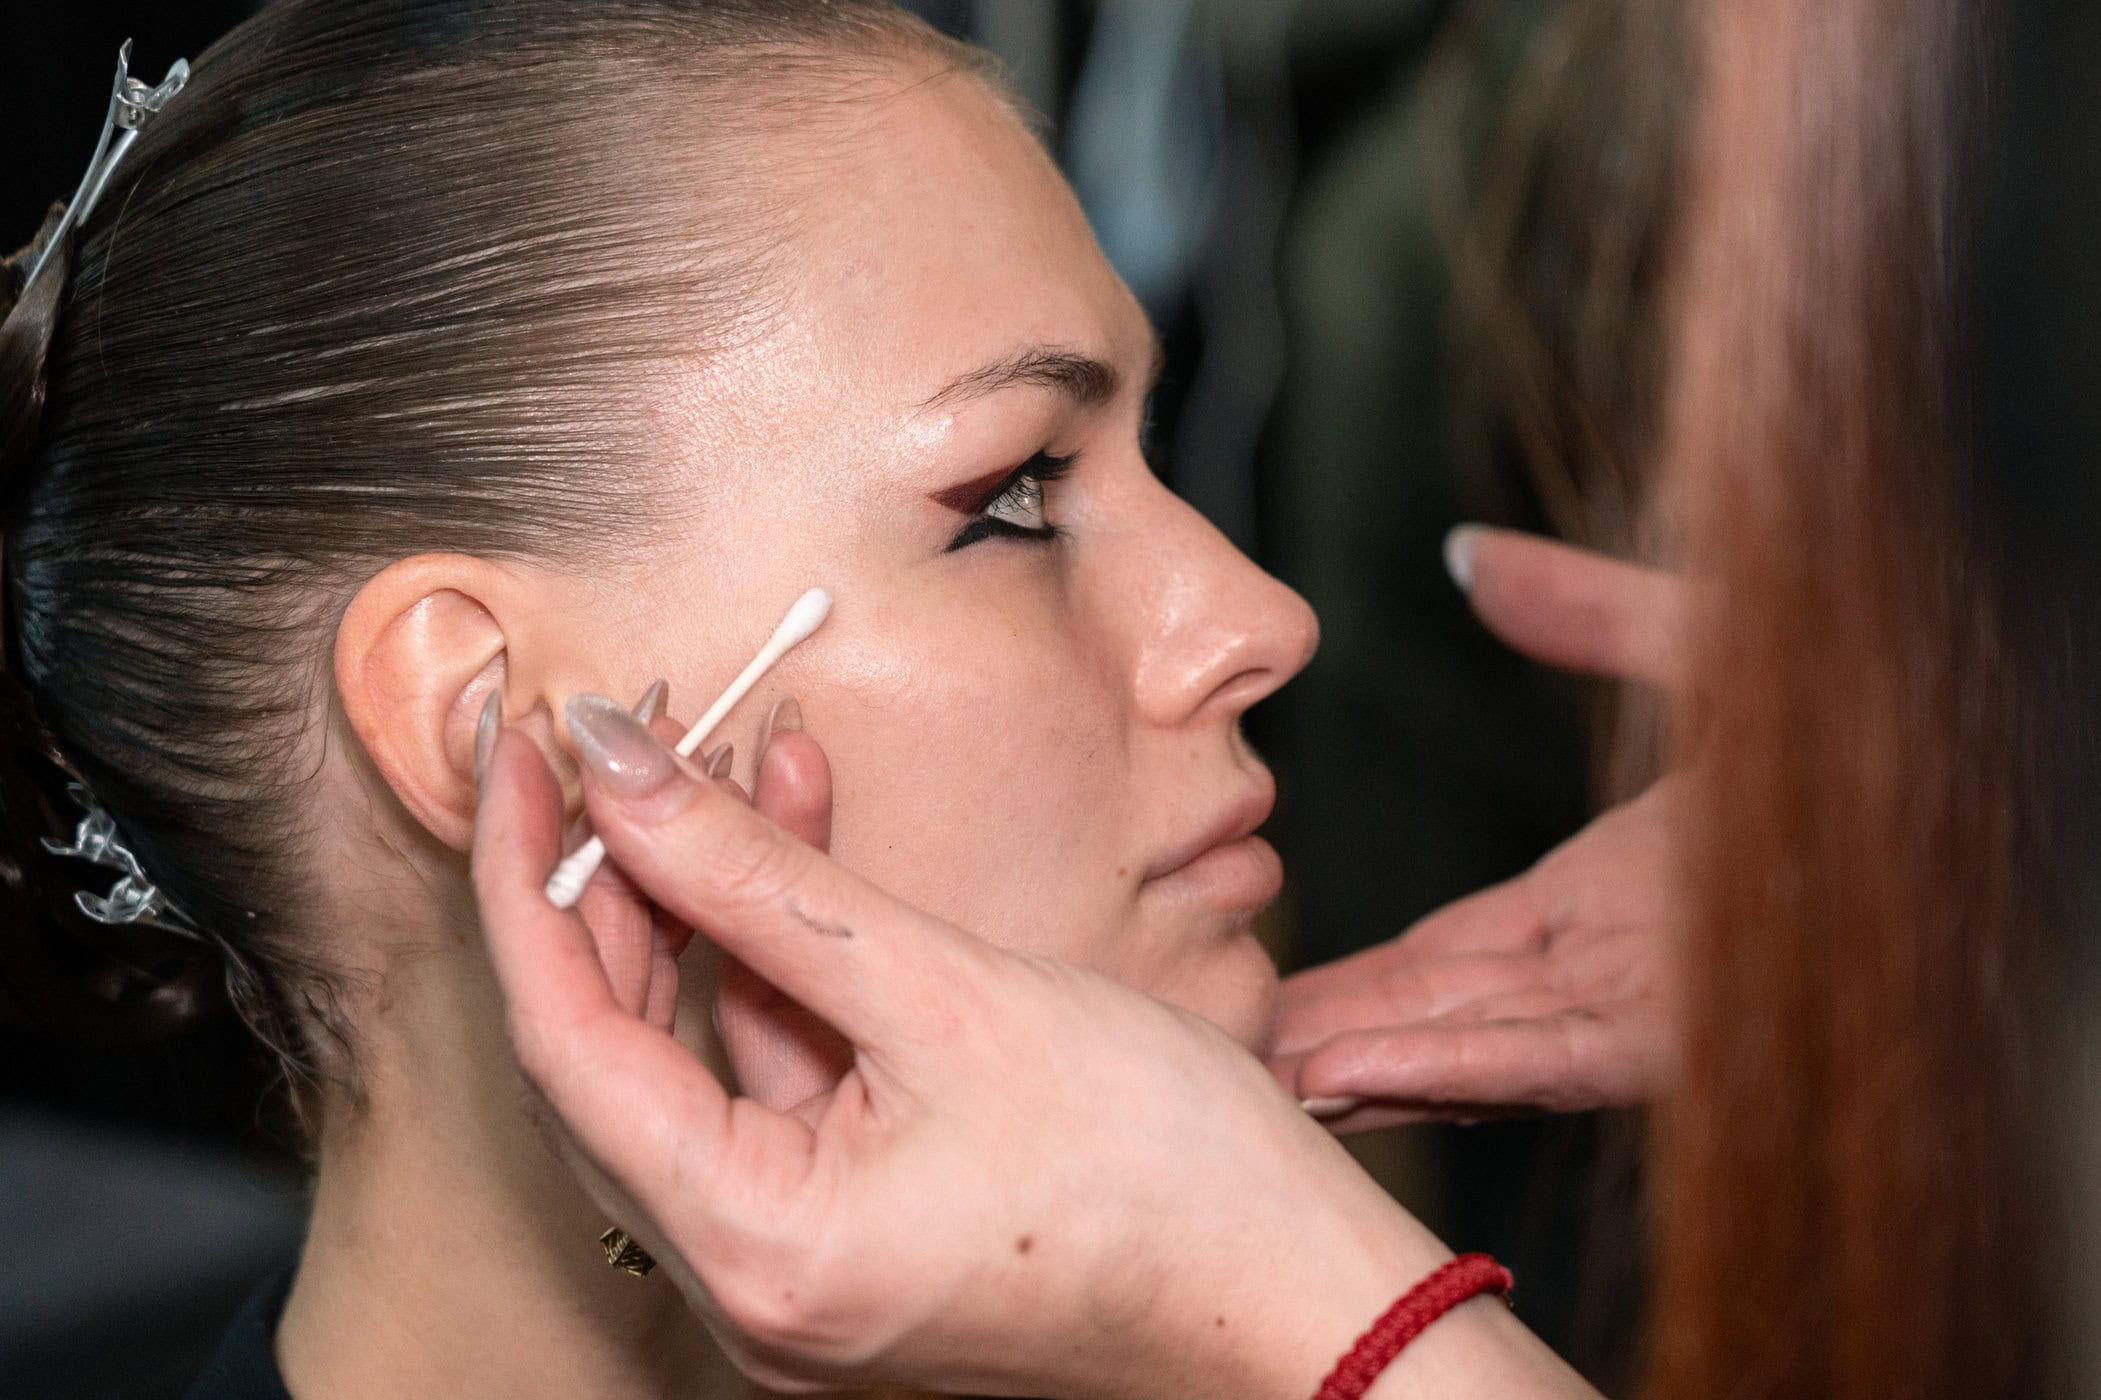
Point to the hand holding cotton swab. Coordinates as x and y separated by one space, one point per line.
566 885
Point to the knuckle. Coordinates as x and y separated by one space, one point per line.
791 1318
754 864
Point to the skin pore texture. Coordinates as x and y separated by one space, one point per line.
1036 738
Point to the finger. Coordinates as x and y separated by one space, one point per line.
1574 609
1505 918
631 940
783 1054
517 832
873 968
1533 1003
649 1113
624 933
794 787
1372 1116
1345 1115
668 938
1564 1062
1396 992
1320 1002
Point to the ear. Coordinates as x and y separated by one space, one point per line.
418 652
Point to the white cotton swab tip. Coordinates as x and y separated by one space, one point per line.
566 885
805 617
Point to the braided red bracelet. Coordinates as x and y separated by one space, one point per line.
1465 1277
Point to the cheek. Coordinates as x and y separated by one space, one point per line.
981 772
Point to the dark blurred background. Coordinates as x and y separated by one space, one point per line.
1403 254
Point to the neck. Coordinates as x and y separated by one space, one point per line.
418 1280
450 1253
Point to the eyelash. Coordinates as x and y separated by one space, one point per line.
1039 471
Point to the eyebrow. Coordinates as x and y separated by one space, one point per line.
1085 380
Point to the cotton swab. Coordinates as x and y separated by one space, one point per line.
566 885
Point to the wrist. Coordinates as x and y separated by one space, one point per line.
1307 1313
1479 1351
1291 1311
1362 1285
1441 1290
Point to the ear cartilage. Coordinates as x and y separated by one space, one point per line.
566 885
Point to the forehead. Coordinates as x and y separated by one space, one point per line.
939 235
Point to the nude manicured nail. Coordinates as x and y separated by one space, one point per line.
787 715
1330 1108
717 763
653 701
1459 555
618 748
485 732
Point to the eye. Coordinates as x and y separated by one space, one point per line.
1020 505
1015 506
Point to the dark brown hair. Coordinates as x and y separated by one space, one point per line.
383 279
1847 1192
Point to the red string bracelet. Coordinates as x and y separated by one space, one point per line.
1465 1277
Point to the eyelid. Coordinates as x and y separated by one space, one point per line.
970 498
1002 488
1042 468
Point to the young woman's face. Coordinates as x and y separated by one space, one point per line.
1031 684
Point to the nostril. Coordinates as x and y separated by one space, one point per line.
1248 686
1251 662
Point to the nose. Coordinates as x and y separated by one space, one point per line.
1216 633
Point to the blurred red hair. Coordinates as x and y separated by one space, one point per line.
1846 1199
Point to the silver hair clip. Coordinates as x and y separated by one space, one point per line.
131 105
134 898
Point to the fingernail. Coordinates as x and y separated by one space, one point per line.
1459 555
787 714
618 748
1330 1108
652 702
717 762
485 731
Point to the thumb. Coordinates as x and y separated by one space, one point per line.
783 1055
870 965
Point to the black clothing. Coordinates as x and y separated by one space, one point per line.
245 1365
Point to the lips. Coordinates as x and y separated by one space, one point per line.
1232 824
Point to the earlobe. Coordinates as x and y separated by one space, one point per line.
417 653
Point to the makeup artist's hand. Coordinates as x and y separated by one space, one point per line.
780 1053
1031 1180
1552 991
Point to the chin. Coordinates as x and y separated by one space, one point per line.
1237 993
